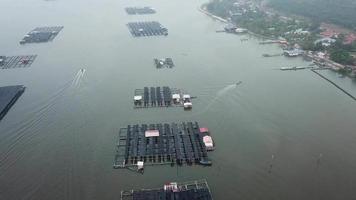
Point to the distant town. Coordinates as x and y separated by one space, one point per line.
328 45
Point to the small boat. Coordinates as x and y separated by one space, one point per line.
205 162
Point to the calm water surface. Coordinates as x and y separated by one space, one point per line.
58 141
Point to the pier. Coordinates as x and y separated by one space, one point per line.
270 42
272 55
41 34
140 10
145 29
161 144
193 190
16 61
8 97
337 86
295 68
153 97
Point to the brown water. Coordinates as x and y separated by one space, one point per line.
58 141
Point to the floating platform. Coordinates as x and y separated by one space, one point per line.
16 61
41 34
145 29
159 144
163 63
194 190
140 10
152 97
8 97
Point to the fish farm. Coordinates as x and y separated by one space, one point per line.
144 29
159 144
41 34
140 10
16 61
194 190
8 97
151 97
164 62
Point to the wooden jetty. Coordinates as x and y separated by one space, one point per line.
333 83
145 29
153 97
161 144
16 61
41 34
193 190
8 97
140 10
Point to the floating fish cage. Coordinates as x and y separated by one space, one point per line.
8 97
140 10
16 61
153 97
41 34
193 190
163 63
160 144
142 29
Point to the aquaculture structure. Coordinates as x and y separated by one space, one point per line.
16 61
150 97
163 62
140 10
41 34
194 190
8 97
152 28
158 144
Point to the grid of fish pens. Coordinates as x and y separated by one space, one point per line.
157 144
142 29
16 61
41 34
156 97
140 10
193 190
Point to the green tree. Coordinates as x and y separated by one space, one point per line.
341 56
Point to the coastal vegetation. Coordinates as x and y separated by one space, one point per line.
341 12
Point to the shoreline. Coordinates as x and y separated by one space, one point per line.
203 9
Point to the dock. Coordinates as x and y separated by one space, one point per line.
161 144
193 190
272 55
145 29
16 61
334 84
163 63
8 97
41 34
270 42
294 68
140 10
153 97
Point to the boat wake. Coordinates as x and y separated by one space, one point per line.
222 92
39 116
78 77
